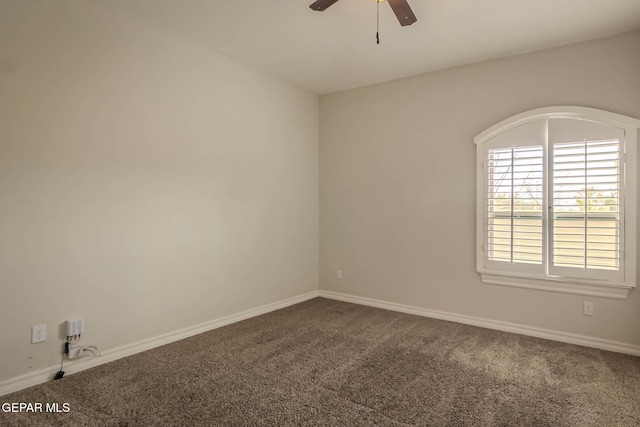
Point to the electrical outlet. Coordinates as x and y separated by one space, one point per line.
339 274
75 326
588 308
38 333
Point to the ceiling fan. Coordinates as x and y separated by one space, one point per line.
400 7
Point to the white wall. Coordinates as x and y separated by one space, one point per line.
397 192
146 184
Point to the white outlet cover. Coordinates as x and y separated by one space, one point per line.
38 333
588 308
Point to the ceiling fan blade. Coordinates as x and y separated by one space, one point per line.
402 10
321 5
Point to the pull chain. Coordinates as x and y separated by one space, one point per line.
377 21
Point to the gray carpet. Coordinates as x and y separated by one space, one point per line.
326 362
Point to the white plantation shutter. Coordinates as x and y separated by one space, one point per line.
514 199
586 189
556 197
514 205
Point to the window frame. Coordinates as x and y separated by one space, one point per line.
518 277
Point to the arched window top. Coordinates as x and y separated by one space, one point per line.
570 112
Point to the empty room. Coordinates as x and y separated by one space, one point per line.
331 212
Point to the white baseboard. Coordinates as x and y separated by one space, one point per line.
565 337
43 375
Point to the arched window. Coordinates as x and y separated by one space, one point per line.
556 201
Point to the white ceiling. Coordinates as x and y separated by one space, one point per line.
335 50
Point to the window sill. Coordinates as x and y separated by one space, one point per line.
557 285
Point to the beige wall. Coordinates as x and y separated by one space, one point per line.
146 184
397 193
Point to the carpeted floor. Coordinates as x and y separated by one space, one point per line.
326 362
